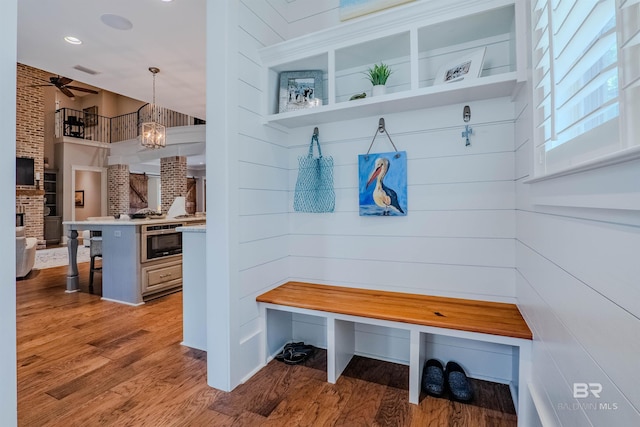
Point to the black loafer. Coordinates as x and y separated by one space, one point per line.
433 378
458 383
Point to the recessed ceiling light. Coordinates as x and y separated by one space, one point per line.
72 40
167 1
116 21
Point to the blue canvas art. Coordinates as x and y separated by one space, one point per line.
383 184
350 9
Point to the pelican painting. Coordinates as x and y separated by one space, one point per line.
383 184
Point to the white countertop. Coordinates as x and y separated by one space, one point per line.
125 222
193 229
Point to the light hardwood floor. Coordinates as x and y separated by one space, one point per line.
87 362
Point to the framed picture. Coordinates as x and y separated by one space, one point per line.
79 198
463 68
91 116
300 90
350 9
382 180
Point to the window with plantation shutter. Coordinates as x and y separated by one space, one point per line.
578 82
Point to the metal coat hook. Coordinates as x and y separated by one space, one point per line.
315 131
466 116
382 129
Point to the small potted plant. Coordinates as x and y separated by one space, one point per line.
378 76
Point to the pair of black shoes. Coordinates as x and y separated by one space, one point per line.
295 353
436 380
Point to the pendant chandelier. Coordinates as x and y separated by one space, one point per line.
152 133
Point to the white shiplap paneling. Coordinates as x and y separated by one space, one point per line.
407 249
258 26
577 286
262 251
261 202
262 187
490 283
570 242
458 237
267 226
573 323
261 177
469 223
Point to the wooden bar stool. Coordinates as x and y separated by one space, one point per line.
95 250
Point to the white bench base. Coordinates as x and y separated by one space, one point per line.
277 321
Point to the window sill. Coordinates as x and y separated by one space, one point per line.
632 153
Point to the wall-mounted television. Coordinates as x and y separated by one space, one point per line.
24 171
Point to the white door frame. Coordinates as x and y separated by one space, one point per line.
103 188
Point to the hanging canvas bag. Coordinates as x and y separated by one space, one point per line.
314 186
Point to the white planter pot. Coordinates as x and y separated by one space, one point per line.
378 90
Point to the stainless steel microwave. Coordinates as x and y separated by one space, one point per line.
160 241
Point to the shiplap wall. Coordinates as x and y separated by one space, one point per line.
306 16
577 285
575 278
457 239
262 182
248 179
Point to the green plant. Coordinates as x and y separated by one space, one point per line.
379 74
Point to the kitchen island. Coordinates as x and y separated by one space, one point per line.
131 272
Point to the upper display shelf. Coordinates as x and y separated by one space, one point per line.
440 52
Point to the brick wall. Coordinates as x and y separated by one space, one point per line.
173 180
118 189
30 143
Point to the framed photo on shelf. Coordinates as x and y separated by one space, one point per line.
300 90
463 68
79 198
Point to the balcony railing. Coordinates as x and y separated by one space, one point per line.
89 126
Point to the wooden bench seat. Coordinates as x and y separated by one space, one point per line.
452 313
342 308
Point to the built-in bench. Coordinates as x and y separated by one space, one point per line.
344 307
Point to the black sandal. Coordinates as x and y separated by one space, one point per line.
297 355
292 346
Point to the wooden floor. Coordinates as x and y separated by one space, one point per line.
87 362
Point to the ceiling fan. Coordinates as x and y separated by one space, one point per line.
62 83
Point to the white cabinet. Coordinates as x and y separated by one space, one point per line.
415 41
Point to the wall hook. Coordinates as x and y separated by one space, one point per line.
382 129
466 116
